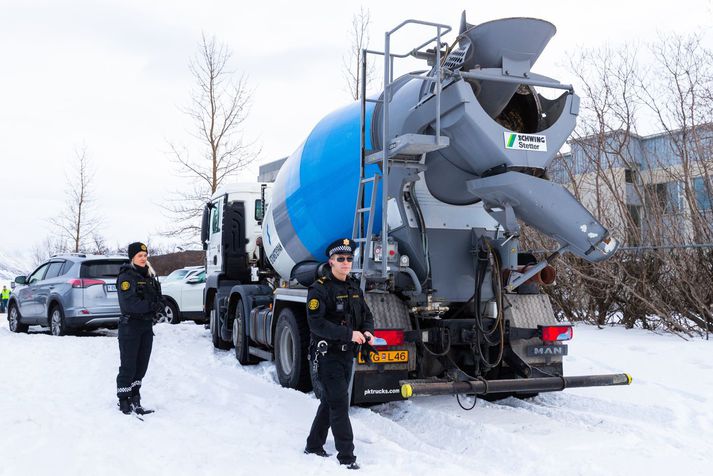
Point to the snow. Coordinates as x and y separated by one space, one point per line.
58 414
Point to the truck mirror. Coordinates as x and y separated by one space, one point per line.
259 210
205 225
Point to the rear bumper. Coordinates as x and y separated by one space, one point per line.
96 321
422 388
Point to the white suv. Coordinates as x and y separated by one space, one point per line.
184 296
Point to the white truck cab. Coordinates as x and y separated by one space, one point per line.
223 202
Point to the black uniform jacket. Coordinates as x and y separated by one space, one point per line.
337 308
139 294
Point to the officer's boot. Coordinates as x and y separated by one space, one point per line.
125 406
136 404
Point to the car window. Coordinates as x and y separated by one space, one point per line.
39 274
101 268
201 276
67 266
54 269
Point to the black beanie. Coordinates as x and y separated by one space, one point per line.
136 248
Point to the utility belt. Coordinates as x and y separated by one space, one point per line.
126 318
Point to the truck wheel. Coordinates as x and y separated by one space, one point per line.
218 343
240 337
291 343
57 324
13 318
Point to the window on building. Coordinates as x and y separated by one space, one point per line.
634 224
667 196
703 188
630 176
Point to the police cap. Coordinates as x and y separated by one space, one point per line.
341 246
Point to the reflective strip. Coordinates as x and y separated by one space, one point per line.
123 389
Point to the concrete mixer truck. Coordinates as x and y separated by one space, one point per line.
433 179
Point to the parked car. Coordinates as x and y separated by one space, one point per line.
180 273
184 296
68 292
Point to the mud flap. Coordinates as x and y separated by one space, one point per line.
377 387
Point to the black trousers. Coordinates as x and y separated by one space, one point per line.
335 372
135 342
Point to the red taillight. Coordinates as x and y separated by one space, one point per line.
555 333
391 336
85 283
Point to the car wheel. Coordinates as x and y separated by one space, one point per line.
291 344
57 324
218 343
240 337
13 318
171 313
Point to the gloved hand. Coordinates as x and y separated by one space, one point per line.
365 350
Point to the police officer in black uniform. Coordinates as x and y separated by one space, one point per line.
338 316
140 300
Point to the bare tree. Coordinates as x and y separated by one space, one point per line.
655 196
359 34
77 222
219 108
50 246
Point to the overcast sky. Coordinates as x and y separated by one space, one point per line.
112 77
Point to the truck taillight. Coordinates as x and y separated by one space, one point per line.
555 333
85 283
391 336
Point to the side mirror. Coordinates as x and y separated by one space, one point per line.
194 280
259 210
205 225
21 280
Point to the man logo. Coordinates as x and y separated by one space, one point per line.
125 285
313 304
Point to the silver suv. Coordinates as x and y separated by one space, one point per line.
67 292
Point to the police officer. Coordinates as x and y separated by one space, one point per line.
140 300
337 315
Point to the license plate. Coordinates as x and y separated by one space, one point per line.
111 288
387 357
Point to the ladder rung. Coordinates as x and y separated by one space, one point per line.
362 210
370 179
374 100
360 240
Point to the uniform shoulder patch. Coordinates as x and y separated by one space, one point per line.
125 285
313 304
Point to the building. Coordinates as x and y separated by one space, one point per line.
655 189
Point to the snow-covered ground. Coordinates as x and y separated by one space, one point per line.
58 414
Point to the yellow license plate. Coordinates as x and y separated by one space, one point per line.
387 357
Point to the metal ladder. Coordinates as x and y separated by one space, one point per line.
405 145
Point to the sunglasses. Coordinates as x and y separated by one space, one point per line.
342 259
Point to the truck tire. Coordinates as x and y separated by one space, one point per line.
291 344
218 343
240 337
13 319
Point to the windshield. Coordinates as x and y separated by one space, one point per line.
178 274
